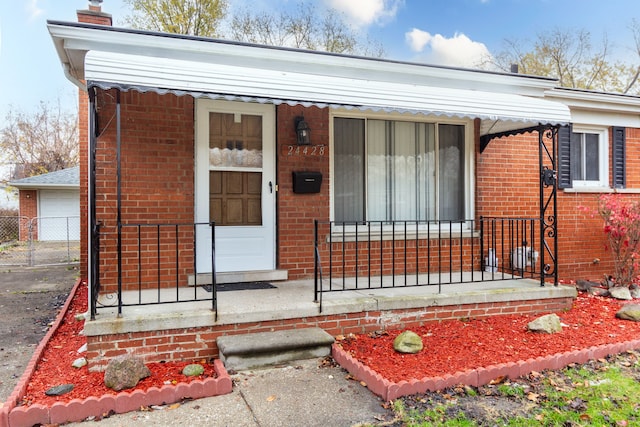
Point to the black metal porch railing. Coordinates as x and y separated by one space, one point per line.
389 254
156 264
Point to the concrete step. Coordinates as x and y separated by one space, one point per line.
261 349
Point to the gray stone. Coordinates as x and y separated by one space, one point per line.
549 323
620 292
125 372
193 370
79 363
635 291
629 312
599 292
585 285
408 342
59 390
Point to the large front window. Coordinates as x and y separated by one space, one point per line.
391 170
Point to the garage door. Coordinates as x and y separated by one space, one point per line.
59 216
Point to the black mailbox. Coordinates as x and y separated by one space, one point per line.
307 182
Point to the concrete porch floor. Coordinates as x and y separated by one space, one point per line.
294 299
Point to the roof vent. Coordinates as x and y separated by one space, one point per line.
514 68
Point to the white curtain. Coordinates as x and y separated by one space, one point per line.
400 170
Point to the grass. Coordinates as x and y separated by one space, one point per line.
600 393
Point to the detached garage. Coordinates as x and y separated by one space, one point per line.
51 203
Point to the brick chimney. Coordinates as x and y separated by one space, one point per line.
94 14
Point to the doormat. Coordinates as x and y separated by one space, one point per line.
239 286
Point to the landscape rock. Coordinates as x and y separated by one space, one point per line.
599 292
620 292
549 323
82 349
193 370
408 342
59 390
635 291
585 285
125 372
629 312
79 362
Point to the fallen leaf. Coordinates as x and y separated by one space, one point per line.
622 423
271 398
539 417
533 397
498 380
585 417
174 406
363 384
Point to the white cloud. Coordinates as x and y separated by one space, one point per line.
457 51
366 12
417 39
33 10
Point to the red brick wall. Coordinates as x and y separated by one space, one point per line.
28 202
157 175
157 186
200 343
93 15
296 212
507 177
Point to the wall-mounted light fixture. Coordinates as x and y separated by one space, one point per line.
303 132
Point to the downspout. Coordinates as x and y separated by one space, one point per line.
67 73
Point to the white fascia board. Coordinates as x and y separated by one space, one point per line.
84 38
45 186
596 101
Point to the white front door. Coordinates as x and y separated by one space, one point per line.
235 185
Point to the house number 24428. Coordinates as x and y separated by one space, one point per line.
306 150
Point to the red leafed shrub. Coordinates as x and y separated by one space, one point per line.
621 217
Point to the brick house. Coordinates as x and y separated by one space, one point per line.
457 192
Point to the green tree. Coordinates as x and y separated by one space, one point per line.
40 142
191 17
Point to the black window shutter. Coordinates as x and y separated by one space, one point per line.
619 154
564 157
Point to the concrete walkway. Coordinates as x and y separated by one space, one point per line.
302 393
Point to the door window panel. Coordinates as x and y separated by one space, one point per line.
235 169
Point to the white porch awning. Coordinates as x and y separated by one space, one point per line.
498 112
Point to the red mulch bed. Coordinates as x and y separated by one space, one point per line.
450 346
454 346
54 368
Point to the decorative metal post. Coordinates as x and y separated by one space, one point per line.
548 138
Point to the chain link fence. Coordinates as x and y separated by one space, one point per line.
39 241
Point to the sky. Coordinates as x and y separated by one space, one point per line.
444 32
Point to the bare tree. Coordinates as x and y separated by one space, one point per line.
569 56
305 28
40 142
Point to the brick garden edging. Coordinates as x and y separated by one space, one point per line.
12 415
389 391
